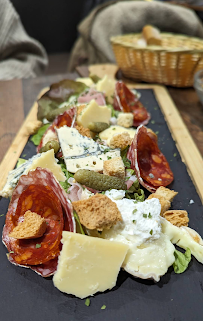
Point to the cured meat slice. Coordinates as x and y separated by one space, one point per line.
150 165
67 118
127 102
87 96
41 193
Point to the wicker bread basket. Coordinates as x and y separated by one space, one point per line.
174 63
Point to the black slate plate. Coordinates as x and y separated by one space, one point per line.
26 296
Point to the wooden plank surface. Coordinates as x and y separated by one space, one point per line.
11 112
18 91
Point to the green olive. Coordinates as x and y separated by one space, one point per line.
52 144
97 127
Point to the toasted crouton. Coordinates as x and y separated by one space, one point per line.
165 197
121 140
32 227
166 193
165 204
114 167
80 109
84 131
97 212
125 119
33 126
177 217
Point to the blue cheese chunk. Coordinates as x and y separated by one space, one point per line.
44 160
81 152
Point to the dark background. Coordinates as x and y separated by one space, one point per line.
54 22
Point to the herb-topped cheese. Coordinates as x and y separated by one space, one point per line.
81 152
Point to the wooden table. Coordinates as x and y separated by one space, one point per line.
17 97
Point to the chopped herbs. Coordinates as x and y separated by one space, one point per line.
175 154
38 246
1 215
103 307
157 132
150 215
87 302
108 157
134 211
153 121
114 128
145 215
151 232
11 252
134 221
106 150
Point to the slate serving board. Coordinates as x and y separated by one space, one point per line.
26 296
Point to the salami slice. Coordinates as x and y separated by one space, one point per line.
87 96
67 118
41 193
127 102
150 165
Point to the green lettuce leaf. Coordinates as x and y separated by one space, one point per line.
38 136
126 161
65 184
181 261
59 92
20 162
78 221
135 192
114 113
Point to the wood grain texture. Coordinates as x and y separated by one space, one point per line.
11 112
19 142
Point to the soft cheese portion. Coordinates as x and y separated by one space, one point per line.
184 237
88 265
81 152
108 133
44 160
149 254
141 220
94 113
107 86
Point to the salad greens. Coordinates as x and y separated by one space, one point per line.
181 261
38 136
20 162
48 104
126 161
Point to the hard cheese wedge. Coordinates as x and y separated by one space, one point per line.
107 86
44 160
81 152
94 113
88 264
47 160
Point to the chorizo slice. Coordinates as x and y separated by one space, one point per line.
126 101
150 165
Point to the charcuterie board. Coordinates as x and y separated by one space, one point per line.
26 296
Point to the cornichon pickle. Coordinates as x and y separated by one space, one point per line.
52 144
98 181
97 127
